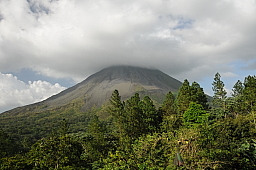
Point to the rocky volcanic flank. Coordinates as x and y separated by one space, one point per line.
97 88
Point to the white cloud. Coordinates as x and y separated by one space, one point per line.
16 93
73 38
228 75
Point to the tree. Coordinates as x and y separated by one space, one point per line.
235 103
56 151
249 93
187 94
238 89
224 143
219 98
195 115
117 112
148 152
219 92
133 116
184 97
96 143
151 118
249 96
153 152
8 147
198 95
117 106
168 106
63 129
171 120
128 119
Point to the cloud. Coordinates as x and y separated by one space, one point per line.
228 74
17 93
73 38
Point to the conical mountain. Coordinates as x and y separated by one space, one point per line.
97 88
74 104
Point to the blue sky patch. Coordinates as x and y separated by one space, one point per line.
184 23
27 75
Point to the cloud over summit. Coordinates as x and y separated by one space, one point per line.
57 36
73 38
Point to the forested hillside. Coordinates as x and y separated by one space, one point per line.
185 132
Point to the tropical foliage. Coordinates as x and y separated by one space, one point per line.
183 133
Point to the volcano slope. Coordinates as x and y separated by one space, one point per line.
91 96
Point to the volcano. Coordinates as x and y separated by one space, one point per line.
97 88
90 97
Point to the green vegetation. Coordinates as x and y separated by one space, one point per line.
183 133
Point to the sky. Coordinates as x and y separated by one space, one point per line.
47 46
